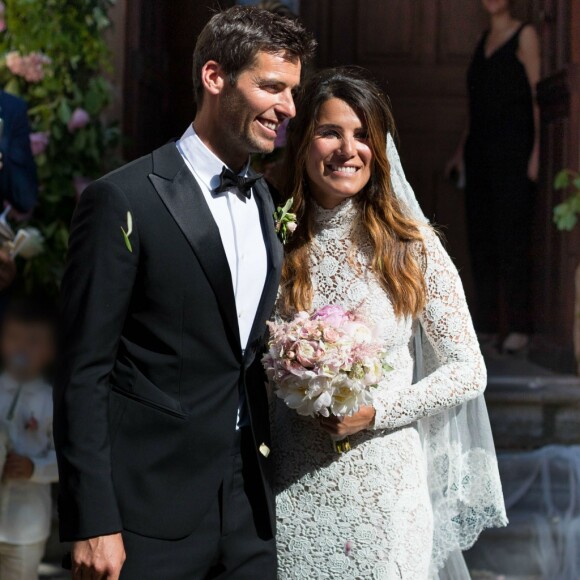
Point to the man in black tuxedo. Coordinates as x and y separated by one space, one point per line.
161 421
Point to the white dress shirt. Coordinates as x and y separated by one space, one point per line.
238 221
26 506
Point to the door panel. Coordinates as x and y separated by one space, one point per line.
419 52
158 90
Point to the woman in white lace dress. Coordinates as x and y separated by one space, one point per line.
365 514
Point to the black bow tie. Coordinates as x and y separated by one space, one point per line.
229 180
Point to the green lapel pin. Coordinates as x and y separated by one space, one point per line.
127 233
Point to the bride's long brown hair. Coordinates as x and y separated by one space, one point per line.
394 236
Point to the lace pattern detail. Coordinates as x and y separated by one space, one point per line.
367 514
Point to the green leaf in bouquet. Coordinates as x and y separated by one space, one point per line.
387 368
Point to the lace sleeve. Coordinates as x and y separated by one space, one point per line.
461 375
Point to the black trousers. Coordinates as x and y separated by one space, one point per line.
234 542
499 204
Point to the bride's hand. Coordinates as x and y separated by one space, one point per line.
345 426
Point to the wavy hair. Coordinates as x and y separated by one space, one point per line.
393 235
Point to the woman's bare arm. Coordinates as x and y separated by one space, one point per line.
529 55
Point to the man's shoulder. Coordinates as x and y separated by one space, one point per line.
130 181
138 167
133 174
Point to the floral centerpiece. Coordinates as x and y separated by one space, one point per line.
323 364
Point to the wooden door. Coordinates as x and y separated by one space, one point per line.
557 255
419 51
145 98
158 95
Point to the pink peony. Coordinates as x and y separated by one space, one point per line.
333 314
330 334
39 142
306 353
79 119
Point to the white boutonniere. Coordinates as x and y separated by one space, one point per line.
284 221
127 233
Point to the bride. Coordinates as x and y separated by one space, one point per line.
420 481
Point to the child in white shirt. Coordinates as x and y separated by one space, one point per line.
27 345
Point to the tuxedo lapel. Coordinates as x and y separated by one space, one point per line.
275 256
266 206
181 195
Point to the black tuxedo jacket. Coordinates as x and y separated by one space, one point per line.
151 363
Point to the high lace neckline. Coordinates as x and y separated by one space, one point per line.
340 217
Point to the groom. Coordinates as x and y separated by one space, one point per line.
161 422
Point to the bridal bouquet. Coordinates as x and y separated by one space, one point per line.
325 364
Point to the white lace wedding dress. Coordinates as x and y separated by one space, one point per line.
367 514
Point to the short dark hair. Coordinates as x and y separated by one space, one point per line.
31 310
234 37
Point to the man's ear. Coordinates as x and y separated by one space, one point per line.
213 77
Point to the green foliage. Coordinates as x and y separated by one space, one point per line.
566 213
70 33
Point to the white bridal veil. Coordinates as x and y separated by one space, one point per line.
464 483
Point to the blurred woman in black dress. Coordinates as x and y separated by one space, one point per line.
498 154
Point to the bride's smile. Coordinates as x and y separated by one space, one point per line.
340 158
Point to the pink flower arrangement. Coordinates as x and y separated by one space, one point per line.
326 363
30 67
333 315
39 142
